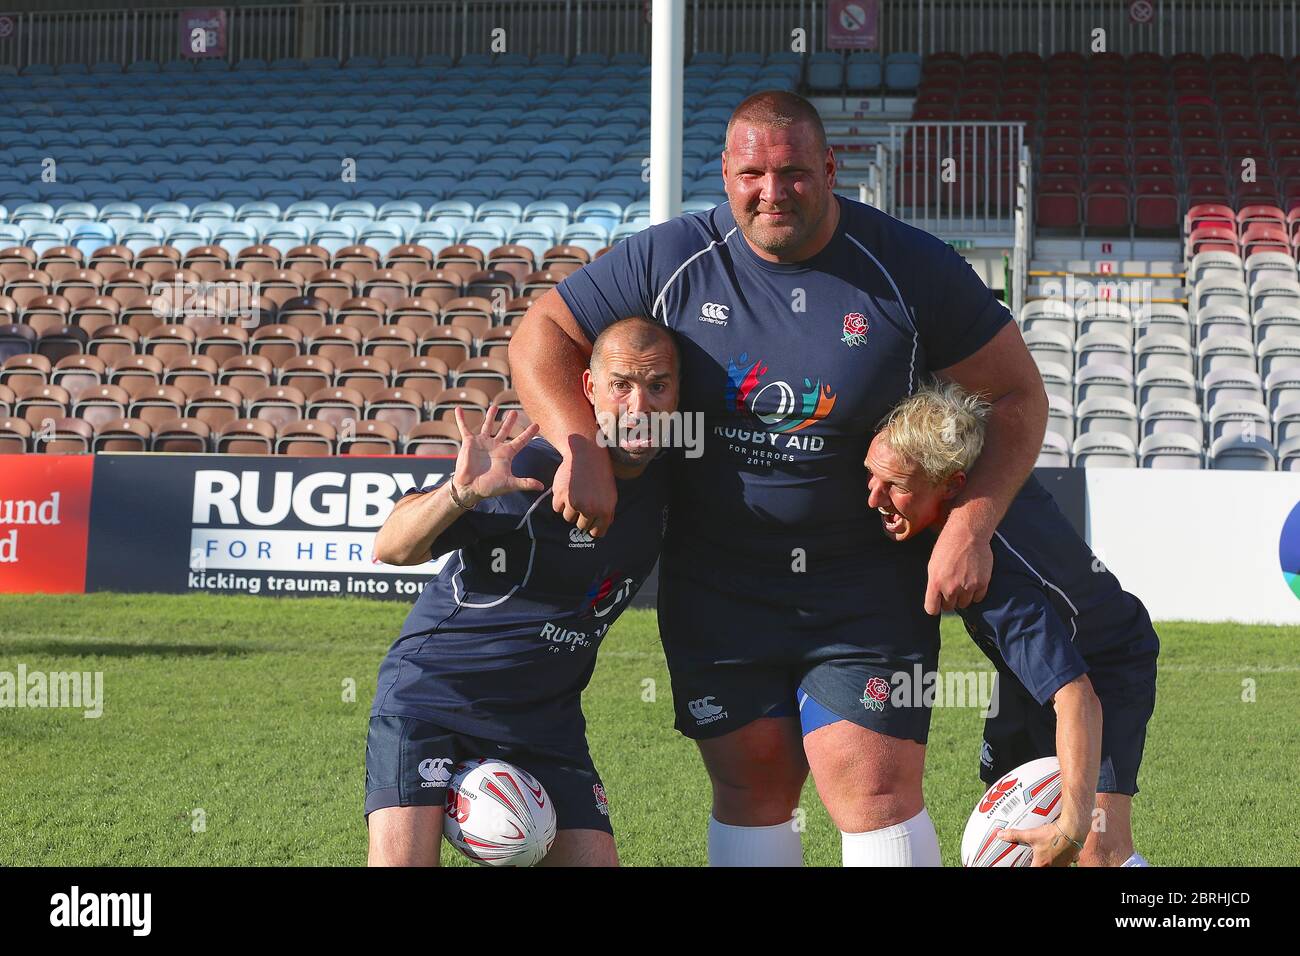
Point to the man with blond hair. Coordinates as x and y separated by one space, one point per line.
1075 653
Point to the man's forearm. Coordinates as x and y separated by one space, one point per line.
1078 748
1013 438
408 535
547 366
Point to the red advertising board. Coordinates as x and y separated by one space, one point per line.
44 523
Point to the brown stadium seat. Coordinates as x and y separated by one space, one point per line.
335 286
473 401
565 254
400 407
190 373
169 342
7 401
145 315
411 259
462 257
393 343
33 370
307 372
277 404
46 402
222 342
514 260
24 256
370 438
496 344
95 312
72 436
207 261
310 438
358 259
216 406
158 260
77 373
449 343
113 344
125 434
544 279
305 313
108 260
247 436
156 404
26 285
507 399
336 342
128 286
101 404
433 438
8 310
255 258
284 286
438 285
424 373
413 305
75 284
279 343
15 436
388 286
475 305
306 260
45 312
69 255
360 313
492 375
516 309
131 367
366 373
335 404
181 435
248 373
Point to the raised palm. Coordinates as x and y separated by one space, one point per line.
483 466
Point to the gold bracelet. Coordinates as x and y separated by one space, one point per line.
451 489
1077 844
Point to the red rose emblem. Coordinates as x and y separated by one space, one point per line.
878 689
855 323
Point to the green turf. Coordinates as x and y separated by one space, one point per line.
235 706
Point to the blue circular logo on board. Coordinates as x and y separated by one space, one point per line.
1288 550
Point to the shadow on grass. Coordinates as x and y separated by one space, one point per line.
110 648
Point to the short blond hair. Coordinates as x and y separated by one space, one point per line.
940 427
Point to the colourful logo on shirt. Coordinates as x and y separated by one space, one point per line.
606 593
855 329
1288 550
775 404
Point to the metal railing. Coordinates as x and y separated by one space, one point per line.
1022 251
955 177
454 27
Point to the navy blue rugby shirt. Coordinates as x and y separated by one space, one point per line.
1053 611
793 365
501 643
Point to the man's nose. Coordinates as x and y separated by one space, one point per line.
636 401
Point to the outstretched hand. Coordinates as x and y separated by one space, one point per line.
483 467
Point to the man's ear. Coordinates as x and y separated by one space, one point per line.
588 386
954 486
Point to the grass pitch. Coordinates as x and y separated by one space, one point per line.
229 737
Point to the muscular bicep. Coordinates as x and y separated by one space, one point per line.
551 308
1002 366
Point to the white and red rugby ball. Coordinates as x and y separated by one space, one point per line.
497 814
1027 797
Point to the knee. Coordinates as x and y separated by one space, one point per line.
763 792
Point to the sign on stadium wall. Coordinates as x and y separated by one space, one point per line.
203 32
250 525
44 511
851 24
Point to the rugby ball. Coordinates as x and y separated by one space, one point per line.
1027 797
497 814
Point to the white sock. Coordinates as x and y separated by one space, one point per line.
1137 859
911 843
777 845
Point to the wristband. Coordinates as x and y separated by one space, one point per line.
451 489
1077 844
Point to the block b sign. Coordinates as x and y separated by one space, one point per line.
203 32
852 24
